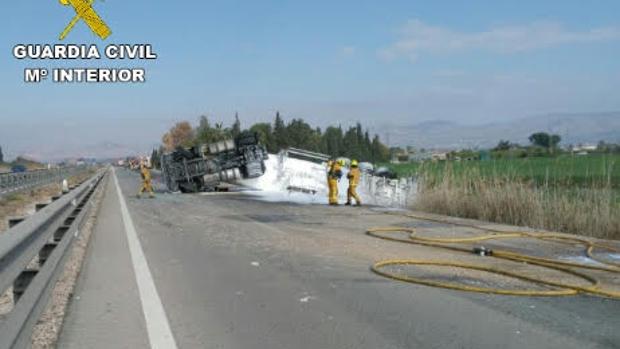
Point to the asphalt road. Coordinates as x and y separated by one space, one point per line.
231 271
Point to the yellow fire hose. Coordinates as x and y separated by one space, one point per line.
561 288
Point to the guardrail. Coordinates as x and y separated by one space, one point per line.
14 182
47 234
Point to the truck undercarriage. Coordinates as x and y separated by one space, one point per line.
204 167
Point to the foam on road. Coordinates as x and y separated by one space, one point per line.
283 173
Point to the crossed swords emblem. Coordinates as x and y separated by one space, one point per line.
85 11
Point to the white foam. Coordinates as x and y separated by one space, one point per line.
283 172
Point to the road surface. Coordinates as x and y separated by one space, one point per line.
230 271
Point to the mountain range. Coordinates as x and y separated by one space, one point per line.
576 128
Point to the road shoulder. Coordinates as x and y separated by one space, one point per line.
105 311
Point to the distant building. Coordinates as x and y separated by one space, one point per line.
421 156
580 149
439 156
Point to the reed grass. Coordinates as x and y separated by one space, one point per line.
591 209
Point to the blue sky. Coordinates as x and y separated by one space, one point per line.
385 63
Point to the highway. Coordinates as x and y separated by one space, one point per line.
227 270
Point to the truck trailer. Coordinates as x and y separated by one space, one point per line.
204 167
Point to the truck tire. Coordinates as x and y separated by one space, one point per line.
230 175
195 186
221 146
173 186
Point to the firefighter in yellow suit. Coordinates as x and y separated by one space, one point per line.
333 176
354 180
146 181
329 168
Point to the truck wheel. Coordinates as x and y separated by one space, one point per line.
187 188
221 146
173 186
194 186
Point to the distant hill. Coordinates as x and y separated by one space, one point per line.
29 164
574 129
102 150
20 160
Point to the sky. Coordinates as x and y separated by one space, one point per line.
384 63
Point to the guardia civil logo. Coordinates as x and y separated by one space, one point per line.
84 11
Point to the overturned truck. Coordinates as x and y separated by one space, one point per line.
204 167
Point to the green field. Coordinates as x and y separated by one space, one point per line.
571 194
564 170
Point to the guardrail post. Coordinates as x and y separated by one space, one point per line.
69 220
46 251
21 283
38 207
60 232
15 221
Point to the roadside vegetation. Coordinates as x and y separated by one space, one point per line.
19 163
595 170
353 142
548 188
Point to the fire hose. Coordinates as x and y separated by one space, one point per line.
592 286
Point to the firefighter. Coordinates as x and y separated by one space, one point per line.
146 181
354 180
329 168
333 176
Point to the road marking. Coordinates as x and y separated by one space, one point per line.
157 326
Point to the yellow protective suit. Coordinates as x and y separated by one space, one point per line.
334 174
329 169
146 182
354 180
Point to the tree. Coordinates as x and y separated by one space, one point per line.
155 159
380 152
541 139
265 135
332 141
236 127
1 155
205 133
280 133
180 135
351 144
503 145
545 140
301 135
367 146
354 143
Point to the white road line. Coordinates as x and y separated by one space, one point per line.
157 326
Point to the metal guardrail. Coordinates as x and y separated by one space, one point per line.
47 234
14 182
305 155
